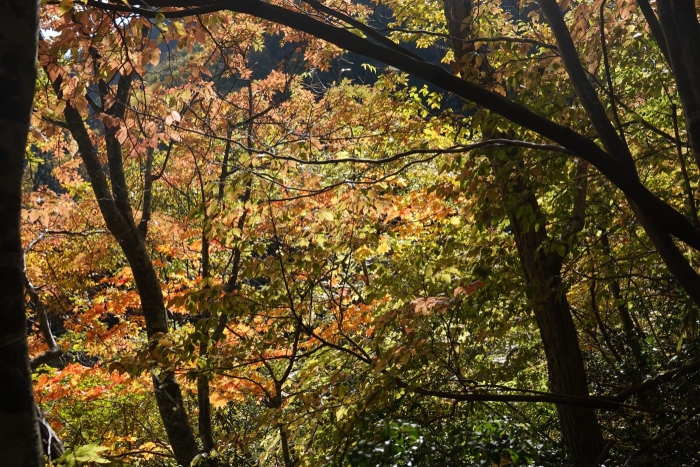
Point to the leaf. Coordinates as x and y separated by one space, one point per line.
326 215
33 215
155 57
65 6
121 134
341 413
367 66
468 289
88 453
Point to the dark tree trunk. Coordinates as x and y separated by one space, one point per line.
567 374
677 32
167 389
116 211
547 294
20 442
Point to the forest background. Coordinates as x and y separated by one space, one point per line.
350 233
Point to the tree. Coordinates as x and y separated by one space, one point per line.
20 443
272 282
541 263
612 166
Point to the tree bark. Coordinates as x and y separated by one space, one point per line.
678 29
20 442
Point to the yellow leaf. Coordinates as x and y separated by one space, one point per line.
320 239
65 6
340 413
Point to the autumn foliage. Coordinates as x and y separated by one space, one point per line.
322 260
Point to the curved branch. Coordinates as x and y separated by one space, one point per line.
613 168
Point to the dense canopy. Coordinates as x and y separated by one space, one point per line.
351 233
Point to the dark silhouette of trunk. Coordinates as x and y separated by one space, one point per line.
20 442
112 197
286 451
541 267
677 32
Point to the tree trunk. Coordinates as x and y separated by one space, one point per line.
20 442
678 30
116 212
167 389
567 374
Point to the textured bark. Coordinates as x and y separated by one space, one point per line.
458 16
20 442
148 180
682 16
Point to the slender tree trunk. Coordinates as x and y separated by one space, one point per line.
20 442
286 451
167 389
112 197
